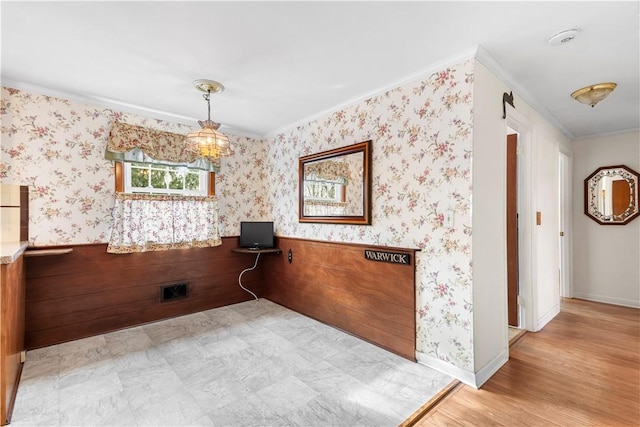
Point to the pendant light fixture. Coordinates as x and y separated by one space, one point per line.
208 142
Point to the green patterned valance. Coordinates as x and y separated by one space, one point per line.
130 143
327 170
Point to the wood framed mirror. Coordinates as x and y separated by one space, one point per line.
611 195
335 185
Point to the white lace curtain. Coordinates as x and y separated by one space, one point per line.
151 222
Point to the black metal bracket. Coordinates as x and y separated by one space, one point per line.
507 98
290 256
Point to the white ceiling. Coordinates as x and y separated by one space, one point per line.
286 62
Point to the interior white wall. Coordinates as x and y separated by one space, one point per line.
543 300
606 257
489 223
489 220
546 291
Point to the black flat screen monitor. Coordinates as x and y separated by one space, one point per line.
256 234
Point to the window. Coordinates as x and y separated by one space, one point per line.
161 202
324 191
162 179
163 207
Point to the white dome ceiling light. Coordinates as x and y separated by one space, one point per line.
593 94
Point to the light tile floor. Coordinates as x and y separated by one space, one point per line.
250 364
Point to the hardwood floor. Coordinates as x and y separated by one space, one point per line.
582 369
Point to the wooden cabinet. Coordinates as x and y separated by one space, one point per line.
14 233
12 328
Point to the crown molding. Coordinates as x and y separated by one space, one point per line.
606 134
485 58
124 107
100 102
447 62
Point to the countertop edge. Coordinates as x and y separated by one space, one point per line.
11 251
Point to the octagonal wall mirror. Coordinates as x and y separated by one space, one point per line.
335 186
611 195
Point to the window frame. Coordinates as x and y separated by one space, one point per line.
120 180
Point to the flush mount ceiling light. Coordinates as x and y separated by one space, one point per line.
208 142
594 93
563 37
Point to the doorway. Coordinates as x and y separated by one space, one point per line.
526 305
512 229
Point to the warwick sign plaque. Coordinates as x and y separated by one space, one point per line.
384 256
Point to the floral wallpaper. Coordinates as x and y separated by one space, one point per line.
241 186
421 137
422 143
57 147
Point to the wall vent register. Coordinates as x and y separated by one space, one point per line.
174 292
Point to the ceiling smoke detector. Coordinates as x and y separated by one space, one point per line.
563 37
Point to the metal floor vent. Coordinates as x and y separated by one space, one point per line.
174 292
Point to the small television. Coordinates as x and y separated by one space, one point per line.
256 234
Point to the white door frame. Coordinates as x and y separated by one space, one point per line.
526 215
565 161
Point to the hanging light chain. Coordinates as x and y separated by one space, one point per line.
207 96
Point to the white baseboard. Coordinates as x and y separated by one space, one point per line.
607 300
471 379
463 375
491 368
546 318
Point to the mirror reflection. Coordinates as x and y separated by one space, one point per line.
611 195
334 185
327 189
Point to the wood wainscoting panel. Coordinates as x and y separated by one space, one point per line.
335 284
12 326
89 291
